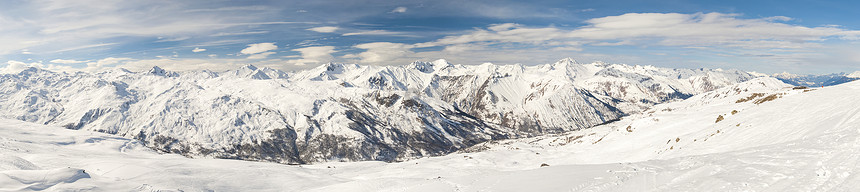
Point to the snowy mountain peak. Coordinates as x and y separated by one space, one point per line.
564 63
252 72
815 80
785 75
155 70
600 64
346 111
258 74
249 67
324 72
569 61
122 70
429 67
856 74
337 68
32 70
426 67
757 74
798 139
442 62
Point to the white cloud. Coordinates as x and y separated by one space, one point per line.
168 63
65 26
313 55
778 18
229 9
173 64
326 29
63 65
262 55
84 47
706 29
197 50
120 18
377 32
713 33
382 53
214 64
221 34
64 61
102 64
463 48
220 42
17 66
172 39
504 33
399 10
259 48
56 26
503 26
665 29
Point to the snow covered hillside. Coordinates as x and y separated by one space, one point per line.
760 135
346 112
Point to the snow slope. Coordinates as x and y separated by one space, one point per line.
38 157
345 112
800 140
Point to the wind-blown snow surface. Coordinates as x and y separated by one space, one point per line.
346 112
797 140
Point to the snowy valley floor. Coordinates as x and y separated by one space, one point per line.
801 140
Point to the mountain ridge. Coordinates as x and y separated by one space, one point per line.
346 112
816 80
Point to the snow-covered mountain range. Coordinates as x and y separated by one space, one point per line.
855 74
817 80
759 135
346 112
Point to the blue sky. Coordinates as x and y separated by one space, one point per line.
806 37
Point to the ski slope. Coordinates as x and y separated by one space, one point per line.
801 140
